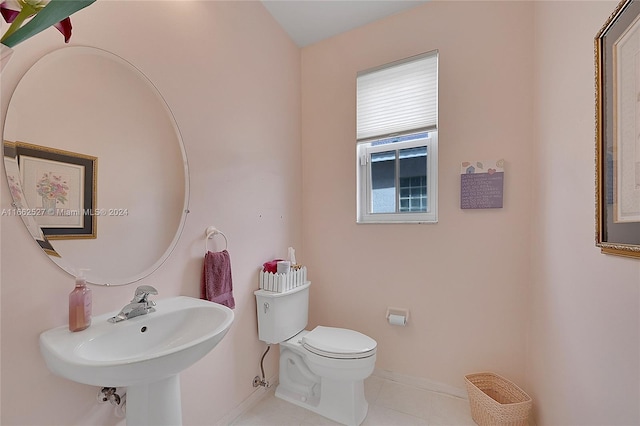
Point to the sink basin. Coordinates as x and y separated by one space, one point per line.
138 350
144 354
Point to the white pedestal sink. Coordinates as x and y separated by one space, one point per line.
144 354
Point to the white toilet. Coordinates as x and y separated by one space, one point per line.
322 370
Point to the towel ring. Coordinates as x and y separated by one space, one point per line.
210 232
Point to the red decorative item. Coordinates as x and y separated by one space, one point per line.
271 266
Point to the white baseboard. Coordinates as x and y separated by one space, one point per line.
421 383
248 403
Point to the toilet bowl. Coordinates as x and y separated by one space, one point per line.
339 353
322 370
319 374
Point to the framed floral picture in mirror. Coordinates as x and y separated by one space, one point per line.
59 189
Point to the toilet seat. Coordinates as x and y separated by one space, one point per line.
339 343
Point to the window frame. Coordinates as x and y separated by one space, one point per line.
396 100
364 182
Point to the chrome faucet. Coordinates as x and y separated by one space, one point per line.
139 305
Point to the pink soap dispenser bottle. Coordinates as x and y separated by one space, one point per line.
80 304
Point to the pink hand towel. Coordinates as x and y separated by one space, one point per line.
216 284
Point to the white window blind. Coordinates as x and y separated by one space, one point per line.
398 97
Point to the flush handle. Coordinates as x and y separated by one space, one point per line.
266 307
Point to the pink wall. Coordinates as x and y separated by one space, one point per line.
584 346
466 279
232 79
521 291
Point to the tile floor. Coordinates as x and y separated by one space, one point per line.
390 404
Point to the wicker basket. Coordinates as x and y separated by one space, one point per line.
495 401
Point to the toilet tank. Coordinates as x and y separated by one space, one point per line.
282 315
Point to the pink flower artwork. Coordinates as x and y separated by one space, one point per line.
53 187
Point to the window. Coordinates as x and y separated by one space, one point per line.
397 147
397 179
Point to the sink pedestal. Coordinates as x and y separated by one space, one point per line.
157 403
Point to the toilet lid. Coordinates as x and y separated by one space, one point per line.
340 343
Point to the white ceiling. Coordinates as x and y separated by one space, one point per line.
309 21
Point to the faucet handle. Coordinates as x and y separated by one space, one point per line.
142 293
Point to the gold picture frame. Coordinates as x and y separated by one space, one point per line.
617 84
59 189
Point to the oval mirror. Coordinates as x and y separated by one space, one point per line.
96 165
